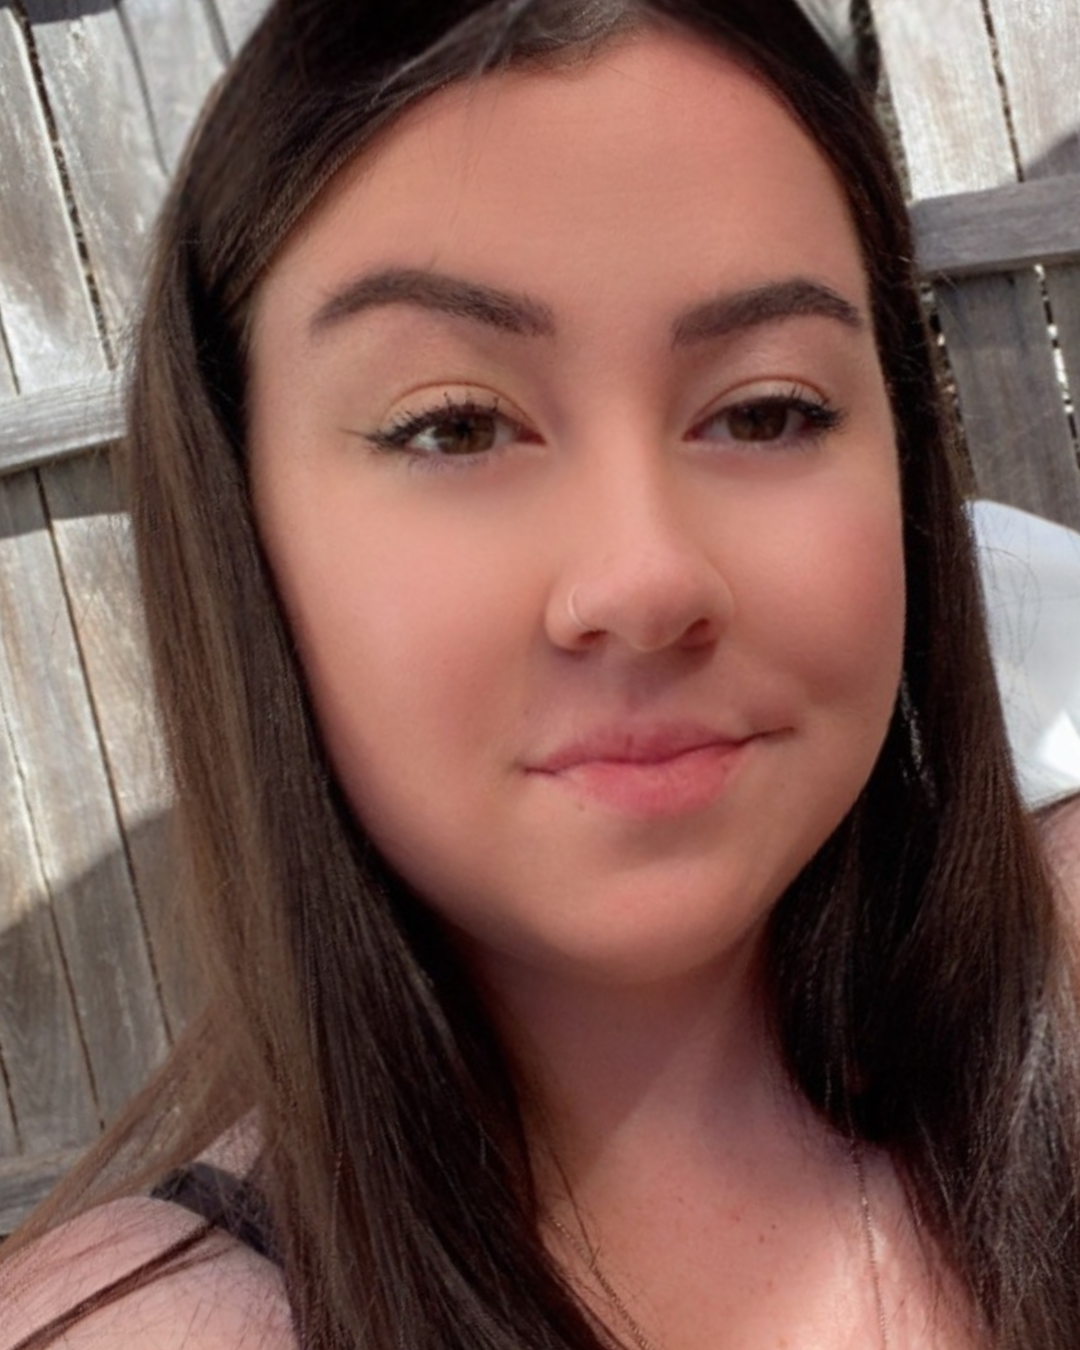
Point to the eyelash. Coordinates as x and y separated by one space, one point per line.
819 416
396 437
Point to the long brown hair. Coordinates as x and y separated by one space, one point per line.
922 996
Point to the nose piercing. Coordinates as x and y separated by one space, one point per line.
572 610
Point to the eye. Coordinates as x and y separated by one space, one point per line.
771 419
456 429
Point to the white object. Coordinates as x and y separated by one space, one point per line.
1030 571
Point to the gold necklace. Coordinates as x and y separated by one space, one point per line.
871 1240
590 1257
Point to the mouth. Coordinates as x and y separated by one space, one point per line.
650 774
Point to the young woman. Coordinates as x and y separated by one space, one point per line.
620 922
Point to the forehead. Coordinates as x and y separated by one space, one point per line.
660 168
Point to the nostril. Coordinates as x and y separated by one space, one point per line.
699 632
647 605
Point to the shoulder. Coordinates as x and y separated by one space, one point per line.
223 1296
1059 829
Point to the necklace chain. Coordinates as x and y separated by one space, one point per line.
871 1239
589 1255
590 1258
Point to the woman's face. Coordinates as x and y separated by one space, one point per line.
573 459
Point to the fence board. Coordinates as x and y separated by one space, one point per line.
92 81
944 89
1025 459
238 18
1063 285
1036 41
178 60
35 428
88 66
94 544
24 1182
44 303
116 176
9 1141
953 125
833 20
1039 47
70 802
42 1051
8 388
999 229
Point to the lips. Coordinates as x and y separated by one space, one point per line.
655 771
634 745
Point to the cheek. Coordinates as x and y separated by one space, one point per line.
409 641
838 622
820 601
849 619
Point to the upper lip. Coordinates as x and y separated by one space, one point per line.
634 745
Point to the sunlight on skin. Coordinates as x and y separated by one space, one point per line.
749 594
574 463
573 459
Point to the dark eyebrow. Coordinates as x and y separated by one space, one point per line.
764 304
431 290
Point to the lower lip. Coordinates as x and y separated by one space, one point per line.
677 786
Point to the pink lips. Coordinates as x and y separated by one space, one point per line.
648 772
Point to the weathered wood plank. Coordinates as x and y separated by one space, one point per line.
1039 48
51 1096
833 20
24 1182
44 302
999 229
71 805
53 337
952 121
38 427
238 18
941 75
86 64
9 1139
94 543
98 573
8 387
44 424
1063 287
1011 408
116 176
178 60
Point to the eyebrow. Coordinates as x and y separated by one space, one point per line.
793 299
447 295
524 316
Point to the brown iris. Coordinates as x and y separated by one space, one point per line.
464 434
763 421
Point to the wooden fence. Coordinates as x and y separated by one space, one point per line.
97 96
97 100
988 105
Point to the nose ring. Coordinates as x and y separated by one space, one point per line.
572 610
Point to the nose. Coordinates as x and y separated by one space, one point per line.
643 572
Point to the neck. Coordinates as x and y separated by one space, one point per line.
615 1074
